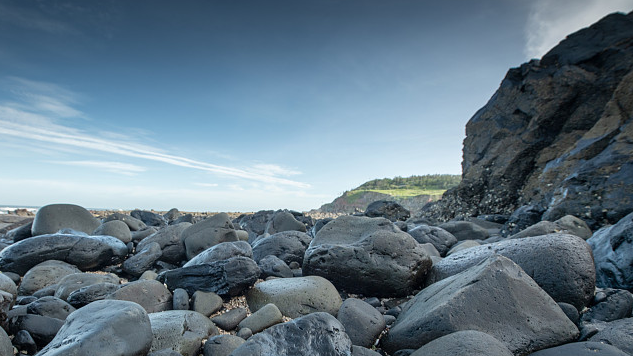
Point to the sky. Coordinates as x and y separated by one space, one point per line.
245 105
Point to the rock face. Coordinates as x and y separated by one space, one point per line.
367 255
613 254
558 132
495 297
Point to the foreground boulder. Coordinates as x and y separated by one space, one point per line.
181 331
315 334
367 255
467 342
495 297
613 254
85 252
561 264
51 218
107 327
588 348
618 333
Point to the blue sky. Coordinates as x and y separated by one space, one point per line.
248 105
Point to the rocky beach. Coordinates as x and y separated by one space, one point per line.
532 254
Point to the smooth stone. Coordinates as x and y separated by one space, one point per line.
462 245
362 322
297 296
221 345
618 333
22 340
115 228
25 299
230 319
164 352
138 236
143 260
20 233
311 335
222 251
149 274
430 250
50 306
6 348
207 233
88 294
571 312
103 328
42 328
283 221
244 333
273 266
586 348
467 342
363 351
289 246
75 281
180 299
265 317
575 226
389 210
181 331
465 230
133 223
206 303
149 218
153 296
51 218
496 297
172 215
170 241
616 304
226 278
7 285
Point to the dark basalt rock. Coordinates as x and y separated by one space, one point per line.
387 209
613 254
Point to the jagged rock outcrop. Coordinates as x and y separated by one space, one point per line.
558 133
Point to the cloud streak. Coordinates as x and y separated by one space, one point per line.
114 167
550 21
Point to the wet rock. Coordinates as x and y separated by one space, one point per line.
51 218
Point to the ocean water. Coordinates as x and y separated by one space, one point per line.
5 209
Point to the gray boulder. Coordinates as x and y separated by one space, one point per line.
467 342
440 238
75 281
51 218
88 294
85 252
106 327
226 278
264 317
133 223
587 348
362 322
207 233
575 226
254 224
618 333
387 209
115 228
50 306
315 334
41 328
297 296
170 242
613 305
272 266
153 296
283 221
368 256
143 260
222 251
149 218
561 264
5 343
230 319
495 297
290 246
613 254
181 331
206 303
465 230
221 345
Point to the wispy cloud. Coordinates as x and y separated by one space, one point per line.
114 167
550 21
208 185
34 123
274 170
32 18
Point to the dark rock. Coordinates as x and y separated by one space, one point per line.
172 215
273 266
363 351
226 278
254 224
612 251
207 233
575 226
373 301
283 221
105 327
20 233
244 333
581 349
187 218
617 304
143 260
230 319
495 297
222 251
389 319
311 335
85 252
180 330
462 245
570 311
221 345
23 341
164 352
523 217
297 296
264 317
561 264
133 223
41 328
618 333
25 299
45 274
290 246
368 256
115 228
538 229
318 225
141 234
149 218
50 306
152 295
362 322
389 210
170 242
88 294
440 238
467 342
180 299
75 281
465 230
206 303
51 218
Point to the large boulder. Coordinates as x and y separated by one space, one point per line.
181 331
561 264
85 252
495 297
222 251
315 334
106 327
152 295
283 220
208 232
114 228
613 254
170 241
440 238
557 133
467 342
45 274
618 333
363 323
387 209
76 281
51 218
289 246
587 348
367 255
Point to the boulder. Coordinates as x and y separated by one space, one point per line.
296 297
149 218
254 224
7 285
41 328
207 233
153 296
613 254
222 251
133 223
206 303
272 266
143 260
20 233
311 335
575 226
5 343
389 210
230 319
75 281
290 246
181 331
362 322
50 306
587 348
561 264
115 228
368 256
170 242
495 297
264 317
283 220
85 252
465 230
88 294
615 304
618 333
440 238
51 218
466 342
106 327
221 345
226 278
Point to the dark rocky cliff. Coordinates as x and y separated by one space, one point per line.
557 135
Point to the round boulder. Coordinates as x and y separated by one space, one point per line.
440 238
51 218
207 233
467 342
115 228
181 331
289 246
